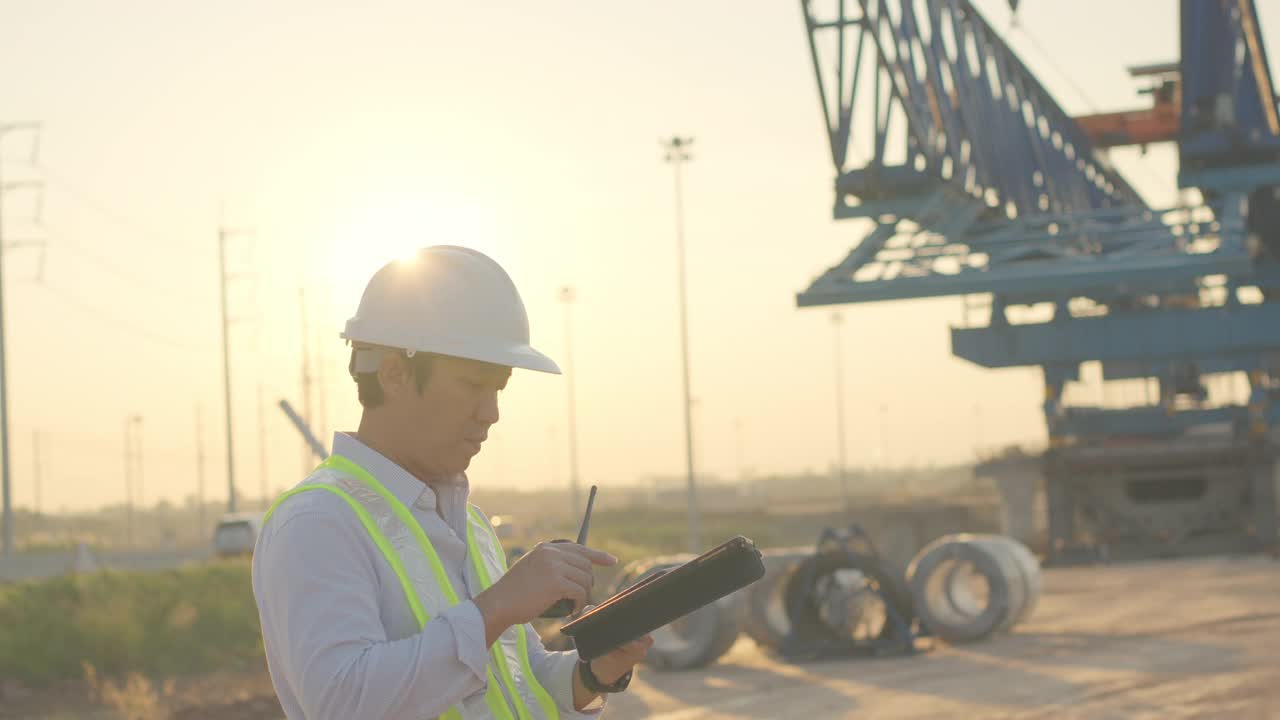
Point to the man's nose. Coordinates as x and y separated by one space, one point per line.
487 412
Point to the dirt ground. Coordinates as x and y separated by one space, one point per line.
1173 639
1169 639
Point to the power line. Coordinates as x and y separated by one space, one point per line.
109 267
141 332
85 199
1057 68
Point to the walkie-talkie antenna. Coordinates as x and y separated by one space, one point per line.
564 608
586 518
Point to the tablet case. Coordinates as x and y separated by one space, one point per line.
665 597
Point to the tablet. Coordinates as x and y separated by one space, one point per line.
665 597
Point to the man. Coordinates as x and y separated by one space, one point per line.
381 592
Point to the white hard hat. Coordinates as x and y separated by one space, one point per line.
446 300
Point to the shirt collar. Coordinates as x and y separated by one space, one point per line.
399 482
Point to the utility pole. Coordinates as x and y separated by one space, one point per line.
262 448
977 427
567 298
836 321
200 472
322 360
35 470
307 463
884 436
137 460
737 446
6 493
225 234
322 405
130 465
226 372
677 154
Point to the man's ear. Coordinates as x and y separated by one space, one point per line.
394 375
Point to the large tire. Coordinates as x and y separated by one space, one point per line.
941 581
819 626
627 576
824 618
765 620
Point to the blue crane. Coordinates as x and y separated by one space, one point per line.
970 179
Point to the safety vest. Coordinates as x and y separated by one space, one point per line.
427 588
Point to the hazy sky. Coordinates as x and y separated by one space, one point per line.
344 134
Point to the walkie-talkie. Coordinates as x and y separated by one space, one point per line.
564 608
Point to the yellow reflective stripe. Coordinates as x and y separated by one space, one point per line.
544 697
495 652
342 464
397 566
499 658
522 643
492 697
379 539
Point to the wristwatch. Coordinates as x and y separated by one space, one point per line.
592 683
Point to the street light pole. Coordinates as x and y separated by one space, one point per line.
677 154
567 298
837 320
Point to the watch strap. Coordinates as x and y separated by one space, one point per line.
592 683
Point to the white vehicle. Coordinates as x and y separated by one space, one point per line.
236 534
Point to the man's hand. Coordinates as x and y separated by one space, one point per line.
546 574
610 667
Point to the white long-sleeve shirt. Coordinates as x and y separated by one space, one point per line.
341 640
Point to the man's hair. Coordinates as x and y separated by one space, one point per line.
369 390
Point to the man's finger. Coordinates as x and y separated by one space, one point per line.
577 560
581 577
640 647
597 557
636 649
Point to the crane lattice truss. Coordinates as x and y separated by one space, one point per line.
972 179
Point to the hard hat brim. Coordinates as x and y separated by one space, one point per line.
523 357
513 356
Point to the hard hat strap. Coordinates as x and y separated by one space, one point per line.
369 357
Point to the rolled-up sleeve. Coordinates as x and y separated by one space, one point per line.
554 671
316 593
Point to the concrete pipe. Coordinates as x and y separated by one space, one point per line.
766 620
966 587
697 639
1030 567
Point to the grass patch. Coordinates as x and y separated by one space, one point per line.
203 618
188 620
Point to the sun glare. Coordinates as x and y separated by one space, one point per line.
382 226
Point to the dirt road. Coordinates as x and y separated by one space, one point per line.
1173 639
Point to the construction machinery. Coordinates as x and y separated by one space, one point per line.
969 179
